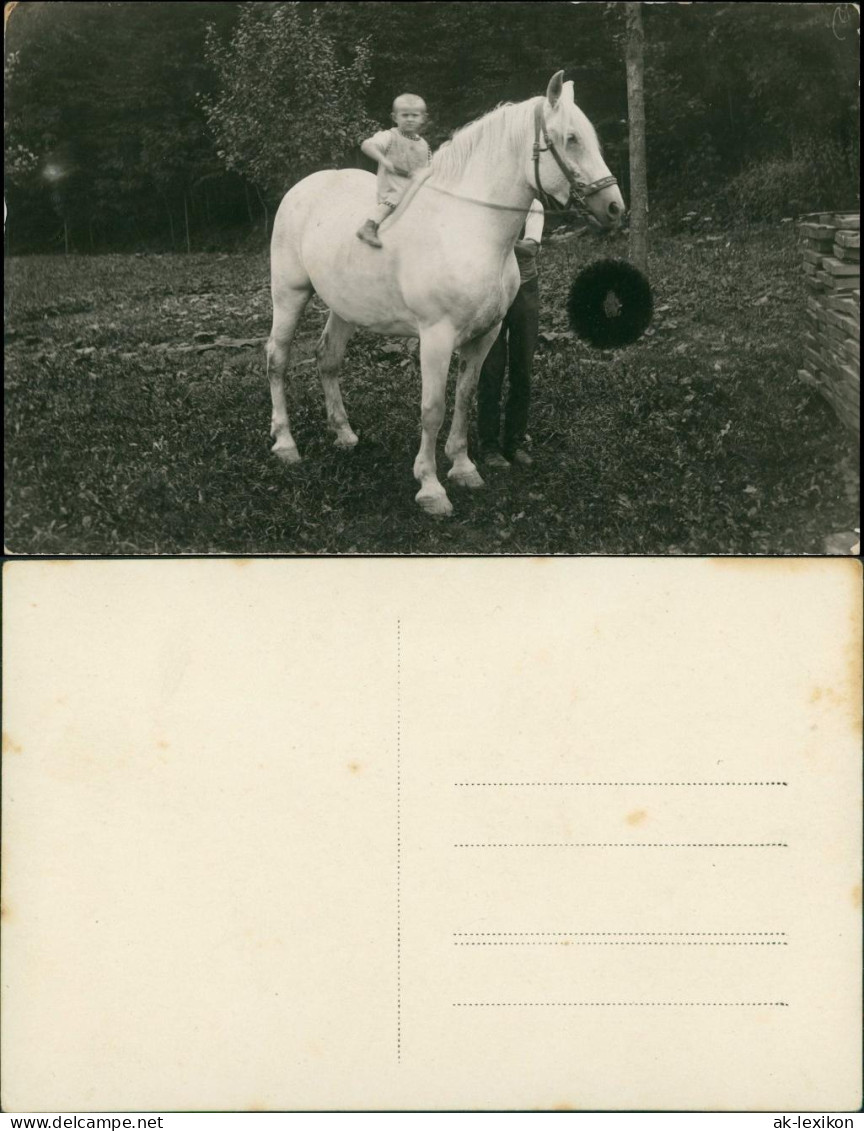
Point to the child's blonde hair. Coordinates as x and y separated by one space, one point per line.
406 100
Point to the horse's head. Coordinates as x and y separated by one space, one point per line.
567 163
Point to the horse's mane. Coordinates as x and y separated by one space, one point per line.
502 130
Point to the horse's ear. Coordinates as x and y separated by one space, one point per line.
567 92
553 90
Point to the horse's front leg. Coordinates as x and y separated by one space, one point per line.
471 358
436 349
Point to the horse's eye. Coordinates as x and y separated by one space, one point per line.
571 139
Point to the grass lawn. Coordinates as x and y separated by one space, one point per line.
696 440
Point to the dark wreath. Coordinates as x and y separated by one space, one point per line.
610 304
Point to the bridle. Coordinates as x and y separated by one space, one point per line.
579 191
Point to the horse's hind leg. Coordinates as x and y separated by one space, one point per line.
330 351
288 306
471 358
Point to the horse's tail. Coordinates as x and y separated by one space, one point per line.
290 284
287 271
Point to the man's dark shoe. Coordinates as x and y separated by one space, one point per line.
521 458
494 459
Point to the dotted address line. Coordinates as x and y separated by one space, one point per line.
398 841
556 1004
627 942
568 934
625 844
577 784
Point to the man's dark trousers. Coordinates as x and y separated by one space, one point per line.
513 349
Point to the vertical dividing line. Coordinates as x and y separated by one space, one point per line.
398 841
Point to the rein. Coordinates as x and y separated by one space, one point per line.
474 200
558 211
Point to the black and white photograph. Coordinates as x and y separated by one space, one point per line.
486 278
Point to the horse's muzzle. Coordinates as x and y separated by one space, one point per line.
607 208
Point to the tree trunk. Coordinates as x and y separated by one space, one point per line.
65 236
248 205
167 203
266 213
186 218
636 116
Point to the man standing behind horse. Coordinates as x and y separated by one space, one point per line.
399 151
513 349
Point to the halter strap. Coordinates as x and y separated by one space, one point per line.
579 191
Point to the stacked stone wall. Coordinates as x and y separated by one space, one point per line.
830 248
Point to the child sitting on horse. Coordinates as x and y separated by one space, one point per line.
399 151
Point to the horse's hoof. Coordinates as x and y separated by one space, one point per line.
287 453
438 505
346 441
471 479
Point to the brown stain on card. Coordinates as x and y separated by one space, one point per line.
5 912
844 695
856 897
772 567
10 746
636 817
355 767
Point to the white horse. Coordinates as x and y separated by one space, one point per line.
446 272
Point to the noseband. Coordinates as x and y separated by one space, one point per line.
579 191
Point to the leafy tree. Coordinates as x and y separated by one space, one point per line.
732 85
284 104
465 58
127 125
102 97
21 161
